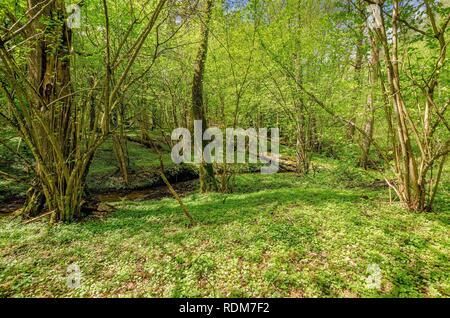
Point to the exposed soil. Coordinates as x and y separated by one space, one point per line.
153 193
139 180
147 186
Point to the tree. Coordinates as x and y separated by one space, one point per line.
207 178
56 126
416 184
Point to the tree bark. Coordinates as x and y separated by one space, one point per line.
49 73
208 180
370 110
358 68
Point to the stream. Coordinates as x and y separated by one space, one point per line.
111 196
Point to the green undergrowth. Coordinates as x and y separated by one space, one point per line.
276 236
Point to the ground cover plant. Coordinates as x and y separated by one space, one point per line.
347 100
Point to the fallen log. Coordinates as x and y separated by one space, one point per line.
146 143
286 164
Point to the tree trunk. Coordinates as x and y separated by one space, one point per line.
49 73
302 147
358 67
208 180
370 111
56 131
409 190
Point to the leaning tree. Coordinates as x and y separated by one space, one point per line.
62 133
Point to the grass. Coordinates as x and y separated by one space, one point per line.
276 236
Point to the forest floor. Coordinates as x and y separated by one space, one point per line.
275 236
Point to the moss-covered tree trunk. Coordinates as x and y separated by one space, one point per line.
49 74
370 109
208 181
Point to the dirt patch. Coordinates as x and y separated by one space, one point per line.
139 180
378 184
153 193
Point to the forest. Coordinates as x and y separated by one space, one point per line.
336 112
